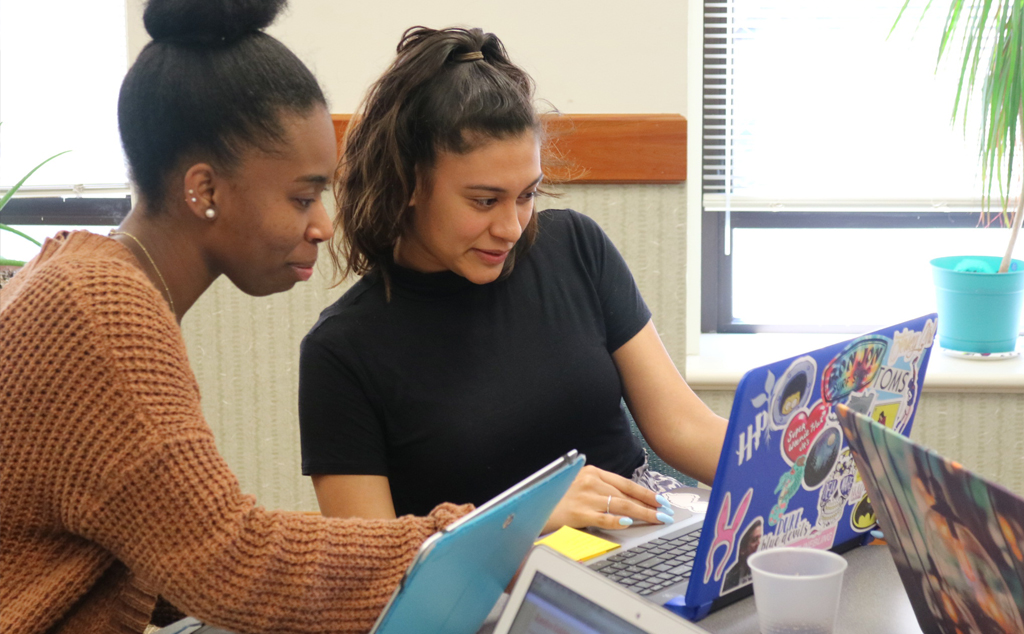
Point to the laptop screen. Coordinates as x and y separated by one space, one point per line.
551 608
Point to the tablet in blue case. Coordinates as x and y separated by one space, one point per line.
459 573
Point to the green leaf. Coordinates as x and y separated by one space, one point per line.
991 37
900 16
17 186
6 262
4 227
7 197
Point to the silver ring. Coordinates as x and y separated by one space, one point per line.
608 507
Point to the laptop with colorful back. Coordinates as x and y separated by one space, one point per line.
785 476
957 539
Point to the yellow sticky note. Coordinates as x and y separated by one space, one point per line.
577 544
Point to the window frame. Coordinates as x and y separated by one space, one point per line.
63 212
716 266
56 210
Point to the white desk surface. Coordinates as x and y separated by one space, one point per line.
873 600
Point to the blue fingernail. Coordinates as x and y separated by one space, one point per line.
667 509
665 519
625 521
661 499
877 534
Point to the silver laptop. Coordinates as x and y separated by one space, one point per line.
672 546
556 594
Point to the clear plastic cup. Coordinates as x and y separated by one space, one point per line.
796 590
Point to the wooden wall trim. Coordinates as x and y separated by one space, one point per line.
609 148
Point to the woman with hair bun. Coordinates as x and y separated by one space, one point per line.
112 491
484 338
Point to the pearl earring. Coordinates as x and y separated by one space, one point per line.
210 213
193 199
191 191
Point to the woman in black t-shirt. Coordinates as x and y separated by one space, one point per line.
484 339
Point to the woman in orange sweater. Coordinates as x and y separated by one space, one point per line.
111 488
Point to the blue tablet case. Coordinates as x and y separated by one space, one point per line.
458 574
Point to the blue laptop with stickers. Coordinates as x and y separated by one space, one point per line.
786 476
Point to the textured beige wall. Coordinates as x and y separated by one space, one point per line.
648 225
245 354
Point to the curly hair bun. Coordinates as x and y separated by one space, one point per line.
208 20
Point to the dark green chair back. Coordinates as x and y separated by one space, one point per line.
653 461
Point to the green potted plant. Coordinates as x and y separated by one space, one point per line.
980 297
9 267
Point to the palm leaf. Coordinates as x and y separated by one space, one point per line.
991 45
7 197
10 192
23 235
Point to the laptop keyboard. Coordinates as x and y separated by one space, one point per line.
654 565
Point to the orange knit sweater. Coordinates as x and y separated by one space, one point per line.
111 488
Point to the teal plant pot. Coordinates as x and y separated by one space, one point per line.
979 309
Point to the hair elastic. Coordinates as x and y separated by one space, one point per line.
469 57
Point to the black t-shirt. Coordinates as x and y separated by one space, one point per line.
456 391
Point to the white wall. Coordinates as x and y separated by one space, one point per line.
596 56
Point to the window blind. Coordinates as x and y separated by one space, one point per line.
811 105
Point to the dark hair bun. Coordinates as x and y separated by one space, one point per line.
208 20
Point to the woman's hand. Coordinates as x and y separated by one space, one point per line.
606 500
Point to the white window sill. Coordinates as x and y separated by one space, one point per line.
724 358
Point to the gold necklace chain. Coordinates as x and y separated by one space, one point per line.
170 300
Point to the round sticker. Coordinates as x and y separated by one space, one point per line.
793 391
822 456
